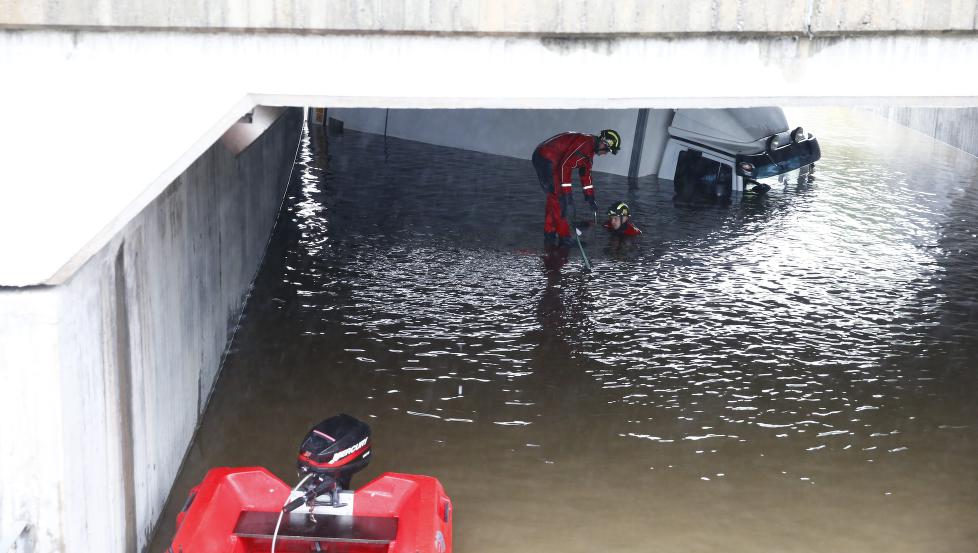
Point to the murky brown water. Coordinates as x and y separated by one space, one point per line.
789 373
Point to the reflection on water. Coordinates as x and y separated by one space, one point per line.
792 372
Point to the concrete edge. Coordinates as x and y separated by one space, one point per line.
286 100
151 191
804 32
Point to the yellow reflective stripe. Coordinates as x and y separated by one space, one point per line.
566 185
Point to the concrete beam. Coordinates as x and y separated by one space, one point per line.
888 16
509 17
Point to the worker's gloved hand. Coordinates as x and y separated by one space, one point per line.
593 204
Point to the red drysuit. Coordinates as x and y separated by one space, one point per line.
626 229
554 159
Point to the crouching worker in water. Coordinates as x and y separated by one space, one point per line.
554 160
618 221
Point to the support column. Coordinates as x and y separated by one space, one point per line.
638 143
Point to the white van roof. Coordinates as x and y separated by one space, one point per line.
734 130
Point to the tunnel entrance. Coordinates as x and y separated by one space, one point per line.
782 368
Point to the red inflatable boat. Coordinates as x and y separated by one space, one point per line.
249 510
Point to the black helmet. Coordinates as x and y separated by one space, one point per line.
619 209
612 139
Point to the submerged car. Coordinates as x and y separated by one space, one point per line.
718 153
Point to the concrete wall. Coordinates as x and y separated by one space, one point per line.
515 132
31 460
955 126
505 16
110 372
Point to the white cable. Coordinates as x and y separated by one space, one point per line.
282 510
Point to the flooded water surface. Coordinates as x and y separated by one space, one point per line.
791 372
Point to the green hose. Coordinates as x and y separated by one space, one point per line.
577 236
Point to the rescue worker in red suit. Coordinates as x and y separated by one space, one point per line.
618 222
554 161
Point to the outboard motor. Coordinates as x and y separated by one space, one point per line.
330 454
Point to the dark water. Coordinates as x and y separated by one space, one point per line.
788 373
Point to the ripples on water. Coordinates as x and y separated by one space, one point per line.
791 311
822 334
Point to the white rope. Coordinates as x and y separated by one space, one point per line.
282 510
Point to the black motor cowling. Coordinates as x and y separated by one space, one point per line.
336 448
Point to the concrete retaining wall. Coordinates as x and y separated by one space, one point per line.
31 460
110 372
515 132
955 126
